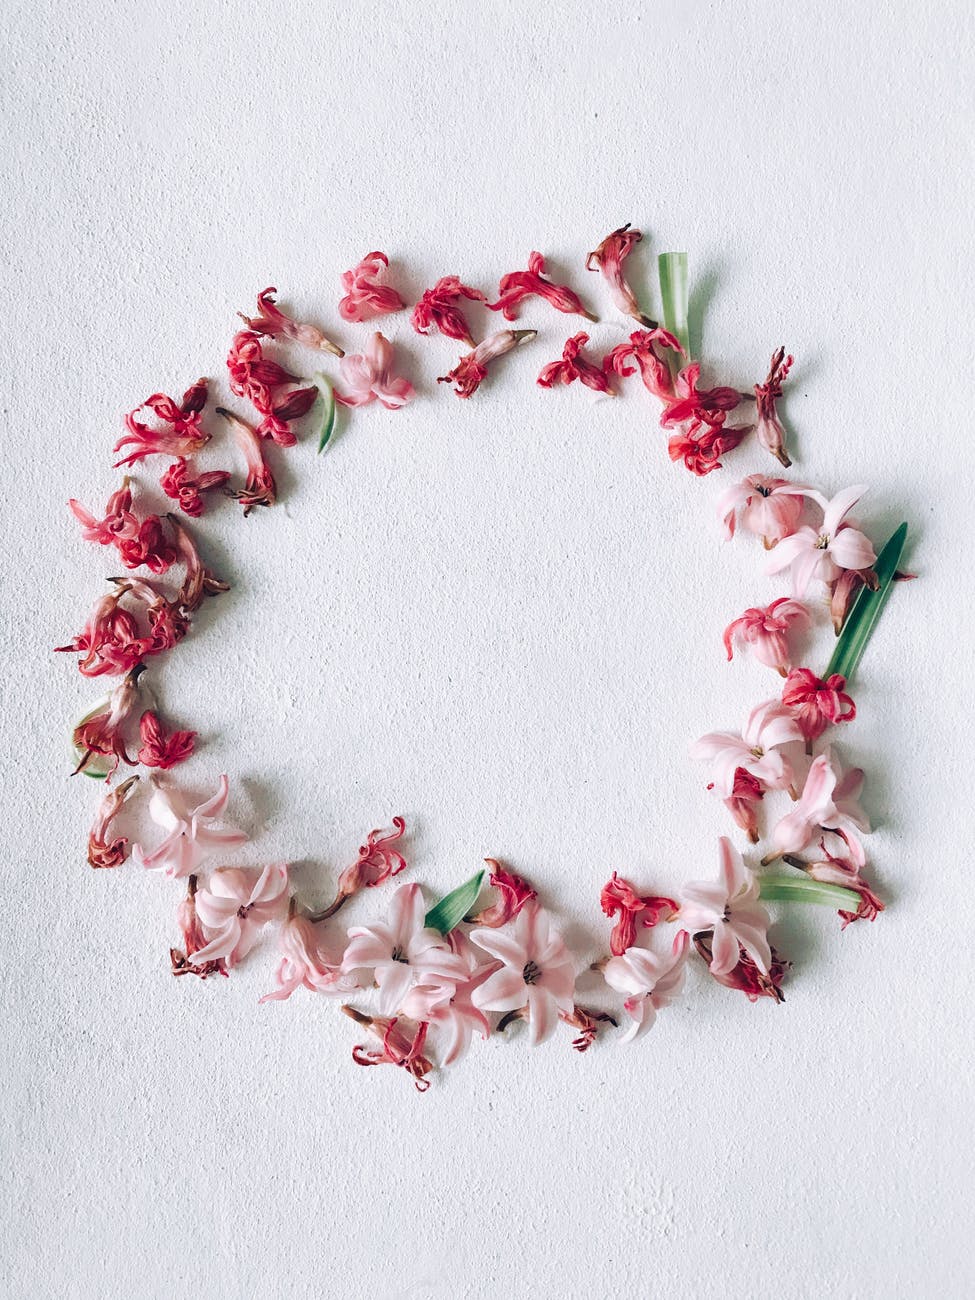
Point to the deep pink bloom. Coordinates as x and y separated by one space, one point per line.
648 348
845 871
824 552
193 940
104 851
370 378
377 862
746 976
235 906
150 547
768 427
306 962
449 1007
770 507
729 906
746 794
828 801
251 374
277 416
817 704
701 445
365 297
198 581
609 258
575 366
767 728
650 981
186 488
259 487
272 322
708 406
518 285
398 1048
183 435
110 642
117 522
537 972
513 893
765 631
161 748
471 371
436 308
618 898
192 834
103 732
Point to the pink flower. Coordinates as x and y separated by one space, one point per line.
702 444
397 1046
514 894
708 406
277 415
161 748
574 366
845 871
198 581
251 374
436 308
609 258
118 521
186 488
376 863
767 728
518 285
103 732
770 507
184 435
826 551
191 833
272 322
194 940
365 297
648 349
619 898
768 427
650 981
731 908
765 631
401 952
234 908
746 976
259 487
828 801
537 972
370 378
471 371
817 704
110 641
742 803
448 1007
103 851
150 547
306 962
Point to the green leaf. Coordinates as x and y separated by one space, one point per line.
672 269
862 618
324 386
453 907
803 889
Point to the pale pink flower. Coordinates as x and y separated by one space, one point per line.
618 898
513 893
471 370
397 1047
401 952
824 552
449 1007
609 258
518 285
729 906
650 981
768 426
192 834
235 906
306 962
272 321
828 801
770 507
103 851
767 728
369 377
537 972
765 631
845 871
365 297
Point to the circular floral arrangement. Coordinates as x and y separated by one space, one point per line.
466 966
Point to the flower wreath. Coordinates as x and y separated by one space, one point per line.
455 970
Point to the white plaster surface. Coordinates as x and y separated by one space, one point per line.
500 618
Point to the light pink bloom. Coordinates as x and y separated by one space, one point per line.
513 892
397 1047
259 487
651 981
194 940
575 366
609 258
436 307
817 704
103 851
365 297
369 378
191 833
648 348
235 906
537 973
768 426
471 370
828 801
764 631
306 962
770 507
731 908
826 551
401 952
767 728
619 898
271 321
448 1007
518 285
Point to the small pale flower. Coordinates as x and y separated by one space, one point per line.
235 906
306 961
369 378
828 801
448 1008
729 906
650 981
192 834
765 631
537 973
767 728
825 552
770 508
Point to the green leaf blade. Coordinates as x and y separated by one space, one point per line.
453 907
672 269
327 398
799 889
867 608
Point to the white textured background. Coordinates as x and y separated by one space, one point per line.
500 618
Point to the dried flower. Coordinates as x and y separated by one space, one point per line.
765 631
110 641
770 507
194 940
259 487
767 728
768 427
518 285
306 962
191 833
183 436
161 748
709 406
746 976
648 348
397 1047
235 907
513 892
376 863
650 981
609 258
731 908
272 322
701 445
471 371
365 297
826 551
198 581
103 732
845 871
117 522
103 851
449 1007
251 374
537 971
183 486
619 898
436 308
150 546
574 366
370 378
742 803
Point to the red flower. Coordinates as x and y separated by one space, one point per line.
436 308
110 642
181 485
251 374
291 406
518 285
118 521
376 863
742 803
700 447
514 894
198 581
769 429
150 546
161 748
397 1047
103 851
194 940
272 321
746 976
816 704
259 487
470 371
609 258
644 348
708 406
181 438
574 366
104 732
365 297
619 898
587 1022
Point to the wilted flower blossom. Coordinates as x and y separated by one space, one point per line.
397 1048
191 833
252 375
618 898
186 488
650 981
845 871
768 427
436 308
729 906
161 748
826 551
183 436
817 704
272 322
235 906
117 522
305 961
609 258
700 446
648 348
575 366
828 801
102 850
376 863
370 378
110 641
103 732
448 1007
193 940
770 507
519 285
365 297
259 487
698 406
746 976
198 581
537 972
513 893
767 728
746 794
765 631
471 371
